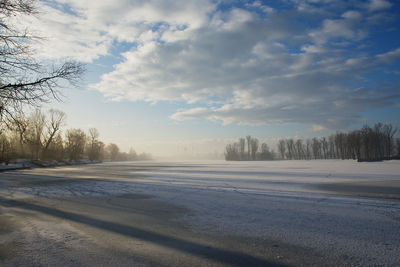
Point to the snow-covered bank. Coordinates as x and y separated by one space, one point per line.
28 164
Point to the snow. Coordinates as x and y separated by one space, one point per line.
277 200
12 166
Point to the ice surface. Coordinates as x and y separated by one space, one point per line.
277 200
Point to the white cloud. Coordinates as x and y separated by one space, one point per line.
240 65
352 15
65 34
242 68
375 5
265 8
88 30
313 48
389 56
348 27
318 128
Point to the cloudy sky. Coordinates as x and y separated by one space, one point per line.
191 75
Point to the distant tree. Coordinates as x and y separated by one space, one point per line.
38 136
144 156
377 143
282 148
36 124
122 156
113 150
248 138
75 143
388 132
20 127
53 127
290 148
254 143
316 148
56 149
265 153
132 154
324 146
308 149
5 148
235 151
300 149
340 145
370 144
331 147
242 145
354 144
366 137
95 147
232 152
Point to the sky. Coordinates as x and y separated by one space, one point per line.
187 77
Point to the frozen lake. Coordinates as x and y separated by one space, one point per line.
340 211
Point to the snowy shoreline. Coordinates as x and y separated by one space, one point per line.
21 164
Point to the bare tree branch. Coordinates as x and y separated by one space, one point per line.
24 80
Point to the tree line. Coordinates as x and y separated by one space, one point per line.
367 144
248 149
39 136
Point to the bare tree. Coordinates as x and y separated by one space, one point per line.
96 147
308 149
242 145
248 138
56 148
300 149
24 80
331 147
398 146
324 146
232 152
254 147
377 141
265 153
389 132
132 155
113 149
75 143
36 124
282 148
5 148
316 148
290 148
366 141
20 126
340 145
53 126
354 144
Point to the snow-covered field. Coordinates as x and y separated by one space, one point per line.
339 209
286 201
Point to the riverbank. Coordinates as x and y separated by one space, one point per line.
21 164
